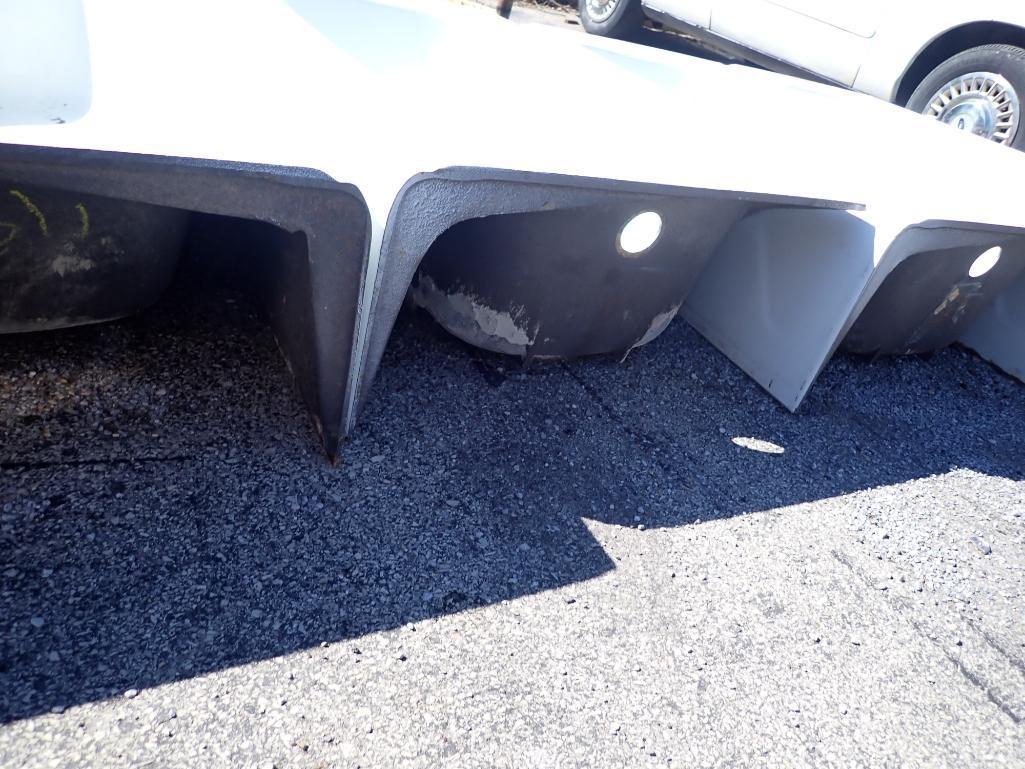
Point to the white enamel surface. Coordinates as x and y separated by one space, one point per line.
44 62
997 334
372 93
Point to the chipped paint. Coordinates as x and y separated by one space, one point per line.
468 318
65 264
658 324
949 300
959 299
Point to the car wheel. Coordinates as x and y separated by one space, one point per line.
979 91
612 18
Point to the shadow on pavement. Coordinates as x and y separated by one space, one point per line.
166 510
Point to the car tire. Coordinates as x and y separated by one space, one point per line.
623 22
1005 61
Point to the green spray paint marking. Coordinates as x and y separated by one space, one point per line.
32 209
84 216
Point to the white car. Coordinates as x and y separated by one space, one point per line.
962 63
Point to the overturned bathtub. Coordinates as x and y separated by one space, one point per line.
366 162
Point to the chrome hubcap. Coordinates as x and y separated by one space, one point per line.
600 10
982 103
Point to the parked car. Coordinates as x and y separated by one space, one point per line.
962 63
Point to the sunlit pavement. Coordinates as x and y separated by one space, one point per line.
593 564
601 563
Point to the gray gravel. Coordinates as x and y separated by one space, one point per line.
569 566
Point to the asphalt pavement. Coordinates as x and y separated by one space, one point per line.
589 564
600 563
